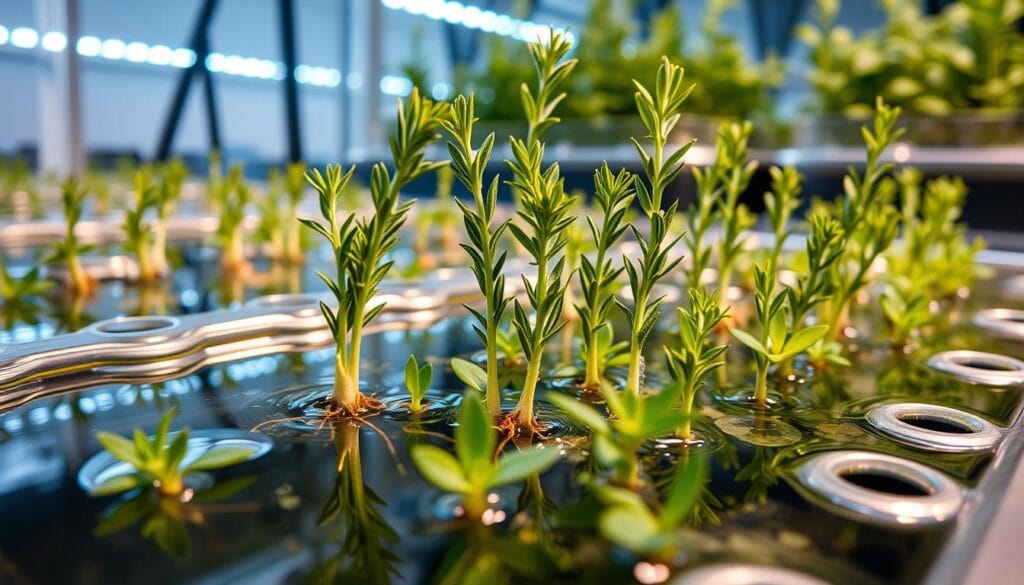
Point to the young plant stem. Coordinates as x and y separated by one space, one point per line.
613 196
484 247
660 114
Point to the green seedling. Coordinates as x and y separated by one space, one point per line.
779 340
69 249
780 203
138 230
635 419
868 221
172 177
700 216
605 352
417 382
906 315
631 523
361 245
160 461
545 212
660 113
294 187
934 257
475 469
486 258
18 288
271 227
696 358
231 232
736 171
613 196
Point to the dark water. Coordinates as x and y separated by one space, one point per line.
343 504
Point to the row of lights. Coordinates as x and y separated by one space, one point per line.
163 56
474 18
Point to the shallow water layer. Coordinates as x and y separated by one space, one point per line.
332 500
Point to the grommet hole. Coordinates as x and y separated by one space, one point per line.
882 482
934 423
286 301
135 325
987 365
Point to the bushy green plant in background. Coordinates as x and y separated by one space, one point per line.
610 43
970 55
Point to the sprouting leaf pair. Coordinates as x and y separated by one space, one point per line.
696 357
417 382
630 522
633 420
781 339
160 461
778 340
476 468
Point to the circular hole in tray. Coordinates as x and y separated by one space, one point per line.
937 424
882 482
132 325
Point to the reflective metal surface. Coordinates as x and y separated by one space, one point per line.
897 421
979 367
831 476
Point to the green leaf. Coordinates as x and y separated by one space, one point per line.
471 374
803 339
219 457
120 447
586 415
115 485
412 376
748 340
440 468
633 528
685 491
474 437
519 465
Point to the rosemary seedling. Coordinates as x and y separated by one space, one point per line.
613 196
172 178
68 250
700 216
360 245
697 357
139 231
779 340
231 232
486 258
869 224
475 469
736 172
545 211
160 461
780 203
906 313
660 114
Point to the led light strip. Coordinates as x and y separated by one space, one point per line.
113 49
472 17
